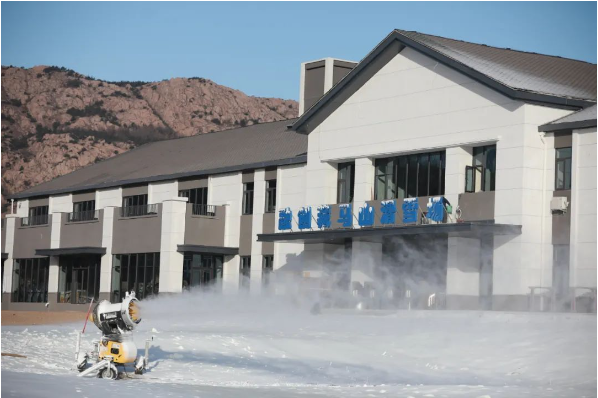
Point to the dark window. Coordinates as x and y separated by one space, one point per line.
346 182
481 176
83 211
198 197
410 176
79 279
267 269
137 205
563 169
202 270
139 272
270 196
245 272
30 280
248 198
38 215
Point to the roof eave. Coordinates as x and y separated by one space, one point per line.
450 62
553 127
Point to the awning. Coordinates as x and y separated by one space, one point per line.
464 229
64 251
208 249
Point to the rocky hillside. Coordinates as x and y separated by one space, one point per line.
55 120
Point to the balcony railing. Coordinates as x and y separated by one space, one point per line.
204 210
135 211
34 220
83 216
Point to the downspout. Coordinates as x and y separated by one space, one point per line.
542 136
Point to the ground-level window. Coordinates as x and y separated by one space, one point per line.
270 196
346 182
202 270
410 176
563 169
267 268
138 272
30 280
248 198
79 279
245 272
481 176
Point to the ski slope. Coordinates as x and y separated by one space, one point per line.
223 346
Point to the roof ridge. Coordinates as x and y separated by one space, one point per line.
401 31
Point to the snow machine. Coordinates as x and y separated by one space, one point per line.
116 348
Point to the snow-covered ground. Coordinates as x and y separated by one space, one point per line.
222 346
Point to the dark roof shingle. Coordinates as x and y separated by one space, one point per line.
583 118
236 149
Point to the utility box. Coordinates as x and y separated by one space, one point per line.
559 204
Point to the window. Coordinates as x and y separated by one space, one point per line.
410 176
563 169
137 205
201 270
139 272
79 279
38 215
267 268
481 176
245 272
248 198
270 196
30 280
83 211
198 197
346 182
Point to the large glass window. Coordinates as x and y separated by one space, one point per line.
345 182
138 272
248 198
30 280
245 272
410 176
481 176
270 196
137 205
198 197
78 279
83 211
38 215
202 270
563 169
267 269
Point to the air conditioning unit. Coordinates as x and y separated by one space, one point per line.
559 204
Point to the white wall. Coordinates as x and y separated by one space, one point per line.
583 210
158 192
172 234
227 189
109 197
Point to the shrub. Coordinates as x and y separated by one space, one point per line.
17 143
216 121
74 83
119 94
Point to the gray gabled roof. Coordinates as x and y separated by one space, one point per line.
520 75
583 118
260 145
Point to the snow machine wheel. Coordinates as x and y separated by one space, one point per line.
109 372
139 371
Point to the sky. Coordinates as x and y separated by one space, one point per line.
258 47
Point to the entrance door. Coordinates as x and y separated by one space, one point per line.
80 279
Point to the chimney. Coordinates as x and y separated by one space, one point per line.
317 77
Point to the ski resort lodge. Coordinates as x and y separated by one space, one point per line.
434 173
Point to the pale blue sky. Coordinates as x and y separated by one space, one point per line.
258 47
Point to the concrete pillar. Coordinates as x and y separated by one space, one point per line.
172 235
364 184
259 205
53 277
9 230
106 260
457 158
366 260
463 273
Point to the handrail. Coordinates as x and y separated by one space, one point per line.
135 211
83 216
203 210
41 219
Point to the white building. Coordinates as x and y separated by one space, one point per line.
505 140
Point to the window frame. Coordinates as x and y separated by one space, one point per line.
248 195
270 206
563 160
30 274
136 260
267 269
347 181
244 272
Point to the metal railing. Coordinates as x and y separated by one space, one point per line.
204 210
135 211
83 216
34 220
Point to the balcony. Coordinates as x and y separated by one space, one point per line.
34 220
204 225
139 211
81 216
